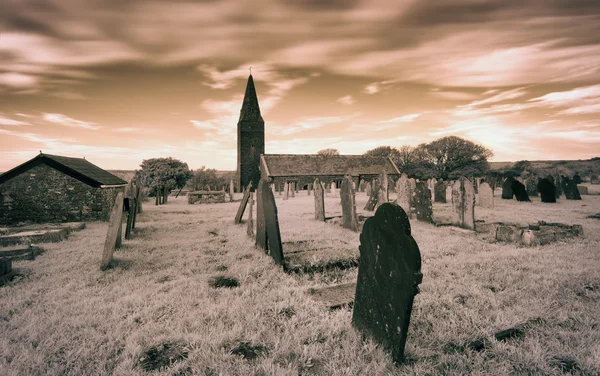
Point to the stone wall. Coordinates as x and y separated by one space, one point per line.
43 194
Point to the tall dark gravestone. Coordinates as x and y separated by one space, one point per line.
507 192
422 202
389 274
547 190
570 188
440 191
250 137
273 236
519 191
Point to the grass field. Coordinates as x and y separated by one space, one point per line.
65 316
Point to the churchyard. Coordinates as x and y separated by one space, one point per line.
190 293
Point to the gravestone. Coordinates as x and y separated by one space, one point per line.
449 191
368 188
349 218
576 179
440 191
404 194
240 212
531 185
519 191
569 187
432 189
389 274
474 184
292 187
507 192
547 190
372 202
231 190
286 190
114 224
463 200
250 223
130 215
413 184
486 196
558 184
383 193
594 179
261 230
422 202
319 201
273 236
583 190
6 270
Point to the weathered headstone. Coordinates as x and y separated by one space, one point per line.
507 192
231 190
372 202
422 202
547 190
114 224
531 185
271 221
389 274
440 191
486 196
240 212
286 190
250 223
292 187
349 218
382 193
449 191
130 214
570 189
319 201
519 191
594 179
463 200
368 188
261 230
404 194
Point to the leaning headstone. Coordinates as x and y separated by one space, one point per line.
250 223
319 201
130 215
422 202
570 189
404 194
261 230
382 193
440 191
372 202
486 196
463 199
114 224
240 212
349 218
389 274
507 192
547 190
519 191
271 221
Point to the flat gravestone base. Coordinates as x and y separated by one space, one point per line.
335 297
307 256
20 252
34 237
531 235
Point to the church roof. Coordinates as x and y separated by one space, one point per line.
77 168
291 165
250 110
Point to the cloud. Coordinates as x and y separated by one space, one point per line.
455 95
307 123
581 100
346 100
11 122
69 122
500 97
17 80
128 130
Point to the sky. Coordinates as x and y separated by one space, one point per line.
121 81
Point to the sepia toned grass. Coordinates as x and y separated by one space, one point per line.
156 311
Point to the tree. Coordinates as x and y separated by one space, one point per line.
169 173
452 157
522 166
328 152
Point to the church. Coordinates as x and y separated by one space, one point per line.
254 164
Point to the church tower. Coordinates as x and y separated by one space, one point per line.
251 138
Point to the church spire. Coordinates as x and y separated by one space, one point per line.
250 110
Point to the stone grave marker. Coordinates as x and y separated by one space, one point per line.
240 212
531 185
404 194
261 229
383 193
583 190
349 218
368 188
519 191
231 190
569 187
449 191
440 191
389 273
422 202
114 224
250 223
558 185
486 196
576 178
594 179
372 202
130 215
292 187
547 190
507 192
319 201
463 200
6 270
273 236
286 191
475 185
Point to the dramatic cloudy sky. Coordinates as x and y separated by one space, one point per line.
119 81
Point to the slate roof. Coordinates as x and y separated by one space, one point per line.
77 168
322 165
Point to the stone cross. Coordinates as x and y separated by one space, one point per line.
389 274
349 217
463 200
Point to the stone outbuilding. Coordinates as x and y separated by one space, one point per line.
52 188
